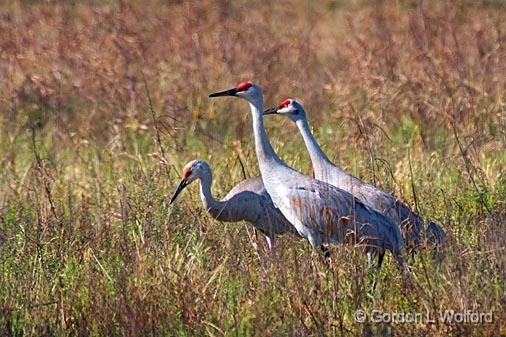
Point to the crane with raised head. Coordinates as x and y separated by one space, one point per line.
320 212
248 201
411 224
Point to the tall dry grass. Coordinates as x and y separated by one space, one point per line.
102 104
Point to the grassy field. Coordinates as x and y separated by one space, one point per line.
102 103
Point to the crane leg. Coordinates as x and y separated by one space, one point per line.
325 251
380 261
270 243
369 259
378 270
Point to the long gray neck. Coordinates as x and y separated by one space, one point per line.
267 157
318 158
213 206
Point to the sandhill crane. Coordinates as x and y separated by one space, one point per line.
410 222
248 201
319 211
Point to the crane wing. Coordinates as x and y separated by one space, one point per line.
322 210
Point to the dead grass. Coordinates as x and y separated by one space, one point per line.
102 104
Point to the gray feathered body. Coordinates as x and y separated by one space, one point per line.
410 223
326 214
249 201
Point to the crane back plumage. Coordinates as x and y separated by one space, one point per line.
250 201
410 223
325 214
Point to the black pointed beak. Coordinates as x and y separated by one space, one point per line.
229 92
179 189
271 111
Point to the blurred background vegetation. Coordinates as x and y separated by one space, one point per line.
102 103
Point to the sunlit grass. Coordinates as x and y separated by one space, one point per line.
409 98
